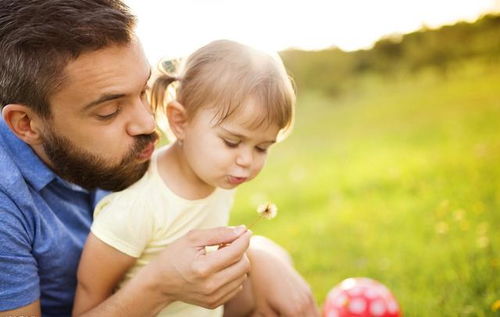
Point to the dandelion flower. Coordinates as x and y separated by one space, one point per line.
267 211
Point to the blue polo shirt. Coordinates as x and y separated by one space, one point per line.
44 222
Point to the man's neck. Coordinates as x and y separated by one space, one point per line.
40 152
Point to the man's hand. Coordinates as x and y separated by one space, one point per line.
184 271
278 290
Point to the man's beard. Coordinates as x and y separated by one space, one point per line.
90 171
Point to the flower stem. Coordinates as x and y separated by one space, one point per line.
250 226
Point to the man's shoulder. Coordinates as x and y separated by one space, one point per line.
13 189
12 179
17 202
19 280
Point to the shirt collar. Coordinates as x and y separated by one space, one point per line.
30 165
71 186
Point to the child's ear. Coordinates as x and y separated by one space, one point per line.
24 123
177 118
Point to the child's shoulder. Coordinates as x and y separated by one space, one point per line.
138 194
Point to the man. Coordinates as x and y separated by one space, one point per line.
75 121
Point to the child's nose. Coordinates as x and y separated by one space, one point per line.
244 158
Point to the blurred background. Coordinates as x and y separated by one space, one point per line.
393 168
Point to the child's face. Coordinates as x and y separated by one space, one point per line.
230 153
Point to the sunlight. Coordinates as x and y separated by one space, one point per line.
175 28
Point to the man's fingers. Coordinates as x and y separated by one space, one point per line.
230 287
212 298
235 272
231 294
220 299
215 236
222 283
229 255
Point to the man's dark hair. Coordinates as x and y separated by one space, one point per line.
39 37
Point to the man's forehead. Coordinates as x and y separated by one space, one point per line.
117 69
104 62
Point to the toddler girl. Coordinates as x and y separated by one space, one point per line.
232 103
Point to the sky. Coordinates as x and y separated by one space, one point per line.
171 29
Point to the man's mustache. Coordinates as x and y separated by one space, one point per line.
142 141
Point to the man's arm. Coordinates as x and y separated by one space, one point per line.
32 310
19 289
183 271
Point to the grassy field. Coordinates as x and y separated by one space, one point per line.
398 181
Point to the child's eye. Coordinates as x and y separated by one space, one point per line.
261 150
231 144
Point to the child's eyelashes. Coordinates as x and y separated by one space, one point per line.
231 144
261 150
235 144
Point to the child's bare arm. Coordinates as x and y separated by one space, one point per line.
101 268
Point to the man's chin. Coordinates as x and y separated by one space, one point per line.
92 174
126 179
90 171
116 179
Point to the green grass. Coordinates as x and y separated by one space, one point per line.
398 181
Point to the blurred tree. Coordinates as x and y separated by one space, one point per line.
334 71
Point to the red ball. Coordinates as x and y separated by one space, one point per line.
361 297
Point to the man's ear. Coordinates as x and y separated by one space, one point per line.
177 118
23 122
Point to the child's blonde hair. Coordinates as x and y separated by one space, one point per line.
225 74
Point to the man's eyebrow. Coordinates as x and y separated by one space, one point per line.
102 99
108 97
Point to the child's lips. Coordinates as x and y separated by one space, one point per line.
234 180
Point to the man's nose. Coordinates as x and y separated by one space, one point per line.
142 119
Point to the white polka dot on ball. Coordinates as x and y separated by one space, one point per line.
392 307
341 300
357 306
377 308
355 291
371 293
360 297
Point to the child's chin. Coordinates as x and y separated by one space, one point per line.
229 186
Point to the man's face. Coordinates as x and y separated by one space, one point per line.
102 131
